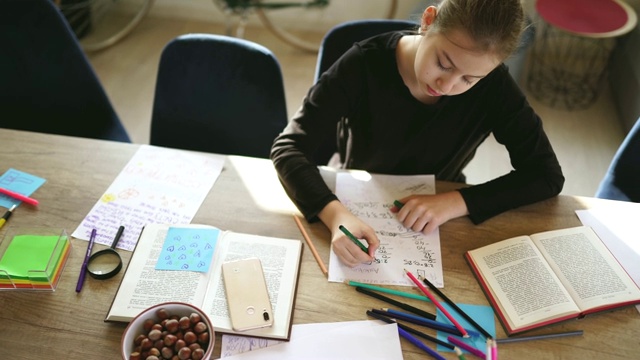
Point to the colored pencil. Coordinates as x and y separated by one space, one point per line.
353 238
399 304
432 324
459 353
405 334
461 344
306 237
539 337
494 349
456 308
488 354
437 304
388 291
410 330
419 344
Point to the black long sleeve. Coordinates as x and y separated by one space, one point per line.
390 132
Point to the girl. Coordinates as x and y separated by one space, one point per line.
421 104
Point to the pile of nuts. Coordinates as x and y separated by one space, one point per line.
172 337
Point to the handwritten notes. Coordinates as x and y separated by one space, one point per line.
19 182
370 197
188 249
157 186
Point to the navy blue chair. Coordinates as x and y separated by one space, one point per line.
335 43
622 180
218 94
47 83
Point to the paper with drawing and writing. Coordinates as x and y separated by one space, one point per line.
370 197
188 249
157 186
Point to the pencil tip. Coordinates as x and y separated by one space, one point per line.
466 336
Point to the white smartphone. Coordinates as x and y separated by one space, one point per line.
247 295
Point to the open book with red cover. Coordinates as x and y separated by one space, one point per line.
538 280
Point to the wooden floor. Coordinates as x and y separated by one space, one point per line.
584 140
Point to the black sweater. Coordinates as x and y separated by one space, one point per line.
388 131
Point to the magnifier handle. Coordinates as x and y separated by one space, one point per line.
118 236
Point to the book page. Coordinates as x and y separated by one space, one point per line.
523 284
143 286
280 262
370 197
584 264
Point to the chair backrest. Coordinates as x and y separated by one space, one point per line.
48 85
622 180
341 37
336 42
219 94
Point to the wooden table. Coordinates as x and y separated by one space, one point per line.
67 325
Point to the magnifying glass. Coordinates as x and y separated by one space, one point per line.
106 263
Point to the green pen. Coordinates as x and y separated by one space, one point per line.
353 238
398 204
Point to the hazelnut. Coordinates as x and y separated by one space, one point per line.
197 354
184 322
195 318
184 353
190 337
170 340
148 324
162 313
167 352
199 327
155 334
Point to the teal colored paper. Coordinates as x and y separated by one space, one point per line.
481 314
20 182
188 249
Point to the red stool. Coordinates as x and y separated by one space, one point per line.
574 39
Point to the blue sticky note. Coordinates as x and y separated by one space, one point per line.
188 249
481 314
19 182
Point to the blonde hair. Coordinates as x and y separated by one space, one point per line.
494 25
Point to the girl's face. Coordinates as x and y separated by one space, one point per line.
448 65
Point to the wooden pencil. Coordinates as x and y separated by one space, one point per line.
306 237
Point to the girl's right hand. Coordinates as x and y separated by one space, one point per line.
335 214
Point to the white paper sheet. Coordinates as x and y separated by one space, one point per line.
616 224
158 185
342 340
370 197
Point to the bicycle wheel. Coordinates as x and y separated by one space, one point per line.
289 22
99 24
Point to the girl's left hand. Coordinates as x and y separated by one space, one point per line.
425 213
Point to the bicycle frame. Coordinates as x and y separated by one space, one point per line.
250 4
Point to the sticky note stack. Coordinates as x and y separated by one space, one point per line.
33 262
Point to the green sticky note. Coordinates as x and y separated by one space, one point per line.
27 253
